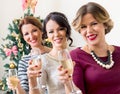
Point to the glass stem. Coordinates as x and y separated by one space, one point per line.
38 82
72 86
14 92
73 90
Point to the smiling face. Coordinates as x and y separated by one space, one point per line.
56 34
92 31
32 35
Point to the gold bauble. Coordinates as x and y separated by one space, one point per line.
12 65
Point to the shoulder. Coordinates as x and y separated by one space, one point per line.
24 60
75 53
76 50
26 57
47 49
116 49
71 48
78 53
44 56
47 57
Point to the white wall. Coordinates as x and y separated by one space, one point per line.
12 9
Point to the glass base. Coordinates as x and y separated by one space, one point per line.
76 92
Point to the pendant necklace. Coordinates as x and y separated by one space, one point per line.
105 64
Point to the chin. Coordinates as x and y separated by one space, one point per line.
34 46
58 46
93 42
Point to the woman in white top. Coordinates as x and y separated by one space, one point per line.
57 29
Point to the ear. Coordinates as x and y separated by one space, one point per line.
106 29
105 26
42 32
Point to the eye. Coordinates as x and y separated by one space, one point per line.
83 26
62 28
94 23
25 34
51 31
34 30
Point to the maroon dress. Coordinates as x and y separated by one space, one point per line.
91 78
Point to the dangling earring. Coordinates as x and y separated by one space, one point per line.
27 46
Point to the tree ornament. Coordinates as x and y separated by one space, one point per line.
12 65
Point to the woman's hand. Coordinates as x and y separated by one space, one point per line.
32 71
63 75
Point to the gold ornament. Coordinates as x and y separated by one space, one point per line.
12 65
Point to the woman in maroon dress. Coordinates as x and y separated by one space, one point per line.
97 64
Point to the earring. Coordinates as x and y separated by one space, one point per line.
27 46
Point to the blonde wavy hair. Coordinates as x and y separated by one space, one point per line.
98 12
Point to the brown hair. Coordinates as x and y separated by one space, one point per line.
30 20
98 12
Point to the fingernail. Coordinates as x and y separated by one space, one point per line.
30 62
66 72
69 76
40 72
61 66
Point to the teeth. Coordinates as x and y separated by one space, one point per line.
58 40
91 36
33 41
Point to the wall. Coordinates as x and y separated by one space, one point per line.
11 9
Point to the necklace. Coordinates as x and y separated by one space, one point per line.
108 64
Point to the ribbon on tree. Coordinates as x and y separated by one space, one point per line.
13 50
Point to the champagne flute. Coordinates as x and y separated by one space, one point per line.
12 73
36 61
66 61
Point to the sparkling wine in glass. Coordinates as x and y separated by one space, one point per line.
36 61
66 62
13 78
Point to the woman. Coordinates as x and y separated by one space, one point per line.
97 68
31 31
57 29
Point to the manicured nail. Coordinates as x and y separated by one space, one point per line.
40 72
30 63
61 66
66 71
70 76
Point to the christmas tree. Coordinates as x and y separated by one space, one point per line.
16 47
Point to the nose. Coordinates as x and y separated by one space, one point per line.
31 36
56 33
89 28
